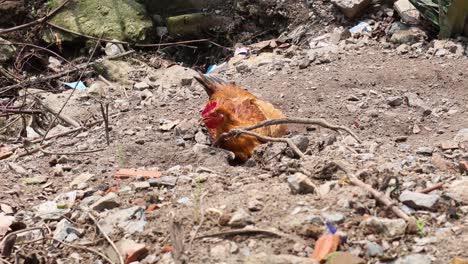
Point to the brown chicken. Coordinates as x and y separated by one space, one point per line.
231 107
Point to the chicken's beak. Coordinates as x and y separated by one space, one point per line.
202 120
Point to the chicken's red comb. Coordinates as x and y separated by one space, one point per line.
208 107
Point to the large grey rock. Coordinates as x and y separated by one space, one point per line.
334 217
352 8
300 184
373 249
407 11
240 218
107 202
388 227
461 136
110 19
458 190
419 200
413 100
414 259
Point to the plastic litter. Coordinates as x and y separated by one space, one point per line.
361 28
79 85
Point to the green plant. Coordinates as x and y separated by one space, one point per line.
420 225
51 4
120 155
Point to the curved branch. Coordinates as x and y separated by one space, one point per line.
37 21
306 121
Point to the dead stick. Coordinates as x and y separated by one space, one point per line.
90 215
84 248
71 94
20 111
320 122
5 261
58 75
432 188
377 195
72 153
63 133
65 118
105 117
288 141
37 21
29 152
8 245
307 121
252 231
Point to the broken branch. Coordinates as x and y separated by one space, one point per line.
84 248
58 75
72 153
37 21
107 238
381 197
252 231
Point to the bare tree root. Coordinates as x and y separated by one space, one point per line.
305 121
247 130
381 197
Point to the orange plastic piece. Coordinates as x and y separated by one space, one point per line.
166 248
151 208
325 245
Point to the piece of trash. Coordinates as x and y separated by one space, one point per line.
7 209
241 51
79 85
184 200
325 245
127 173
331 227
215 66
112 189
361 28
151 208
5 223
4 155
166 249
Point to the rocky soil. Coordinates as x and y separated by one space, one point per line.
404 96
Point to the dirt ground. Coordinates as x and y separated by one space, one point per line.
352 90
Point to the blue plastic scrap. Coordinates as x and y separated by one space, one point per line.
79 85
331 227
360 28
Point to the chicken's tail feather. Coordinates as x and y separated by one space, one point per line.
211 84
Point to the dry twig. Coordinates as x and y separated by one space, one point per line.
37 21
247 130
202 219
80 152
71 94
177 239
433 187
107 238
387 201
252 231
61 74
5 261
84 248
105 117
